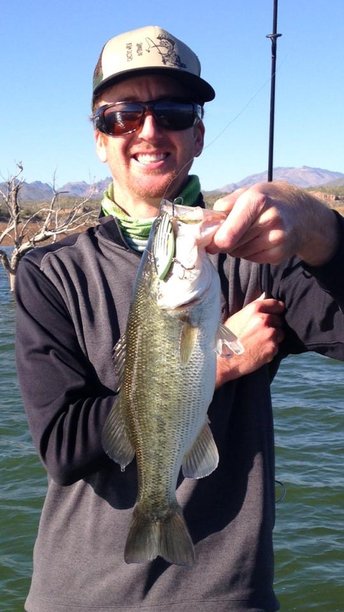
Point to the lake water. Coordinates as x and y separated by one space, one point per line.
309 534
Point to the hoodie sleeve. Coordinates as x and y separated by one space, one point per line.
64 400
314 300
331 276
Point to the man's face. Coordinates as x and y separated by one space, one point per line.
152 162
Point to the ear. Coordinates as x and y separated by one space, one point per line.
199 138
101 149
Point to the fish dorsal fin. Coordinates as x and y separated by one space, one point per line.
227 342
188 339
115 439
118 358
203 458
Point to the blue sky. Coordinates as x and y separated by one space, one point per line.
49 49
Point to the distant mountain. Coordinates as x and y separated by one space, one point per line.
35 192
83 189
301 177
39 192
337 183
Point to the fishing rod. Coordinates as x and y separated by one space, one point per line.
266 277
273 37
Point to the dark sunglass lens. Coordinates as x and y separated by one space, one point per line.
175 115
118 121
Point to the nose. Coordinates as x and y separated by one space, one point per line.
149 127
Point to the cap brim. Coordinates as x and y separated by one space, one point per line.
199 88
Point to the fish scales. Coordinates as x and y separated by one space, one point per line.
162 435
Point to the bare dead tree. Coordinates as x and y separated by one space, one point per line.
45 224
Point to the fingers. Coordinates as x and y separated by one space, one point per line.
243 211
262 224
270 314
267 327
269 305
259 326
227 202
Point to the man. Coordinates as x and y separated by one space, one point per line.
72 306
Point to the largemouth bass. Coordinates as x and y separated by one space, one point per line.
166 364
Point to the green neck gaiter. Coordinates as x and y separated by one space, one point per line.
136 231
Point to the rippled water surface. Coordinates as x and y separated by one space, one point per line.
309 533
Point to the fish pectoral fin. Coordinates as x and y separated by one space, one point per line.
115 439
227 342
203 458
188 339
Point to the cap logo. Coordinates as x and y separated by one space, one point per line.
165 46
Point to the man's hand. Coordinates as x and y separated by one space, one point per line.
270 222
259 327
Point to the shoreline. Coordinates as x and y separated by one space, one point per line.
32 227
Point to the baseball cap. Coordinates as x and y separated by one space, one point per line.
150 50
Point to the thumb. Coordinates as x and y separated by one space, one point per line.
227 202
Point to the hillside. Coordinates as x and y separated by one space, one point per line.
304 177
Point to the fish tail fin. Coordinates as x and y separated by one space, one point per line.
167 537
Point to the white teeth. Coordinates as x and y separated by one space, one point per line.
149 158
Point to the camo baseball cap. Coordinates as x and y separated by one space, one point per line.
150 50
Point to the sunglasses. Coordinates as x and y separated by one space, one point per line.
126 117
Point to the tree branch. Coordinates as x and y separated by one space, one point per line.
44 224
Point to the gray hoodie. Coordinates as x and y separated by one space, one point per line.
72 307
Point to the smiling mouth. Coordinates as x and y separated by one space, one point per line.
150 158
